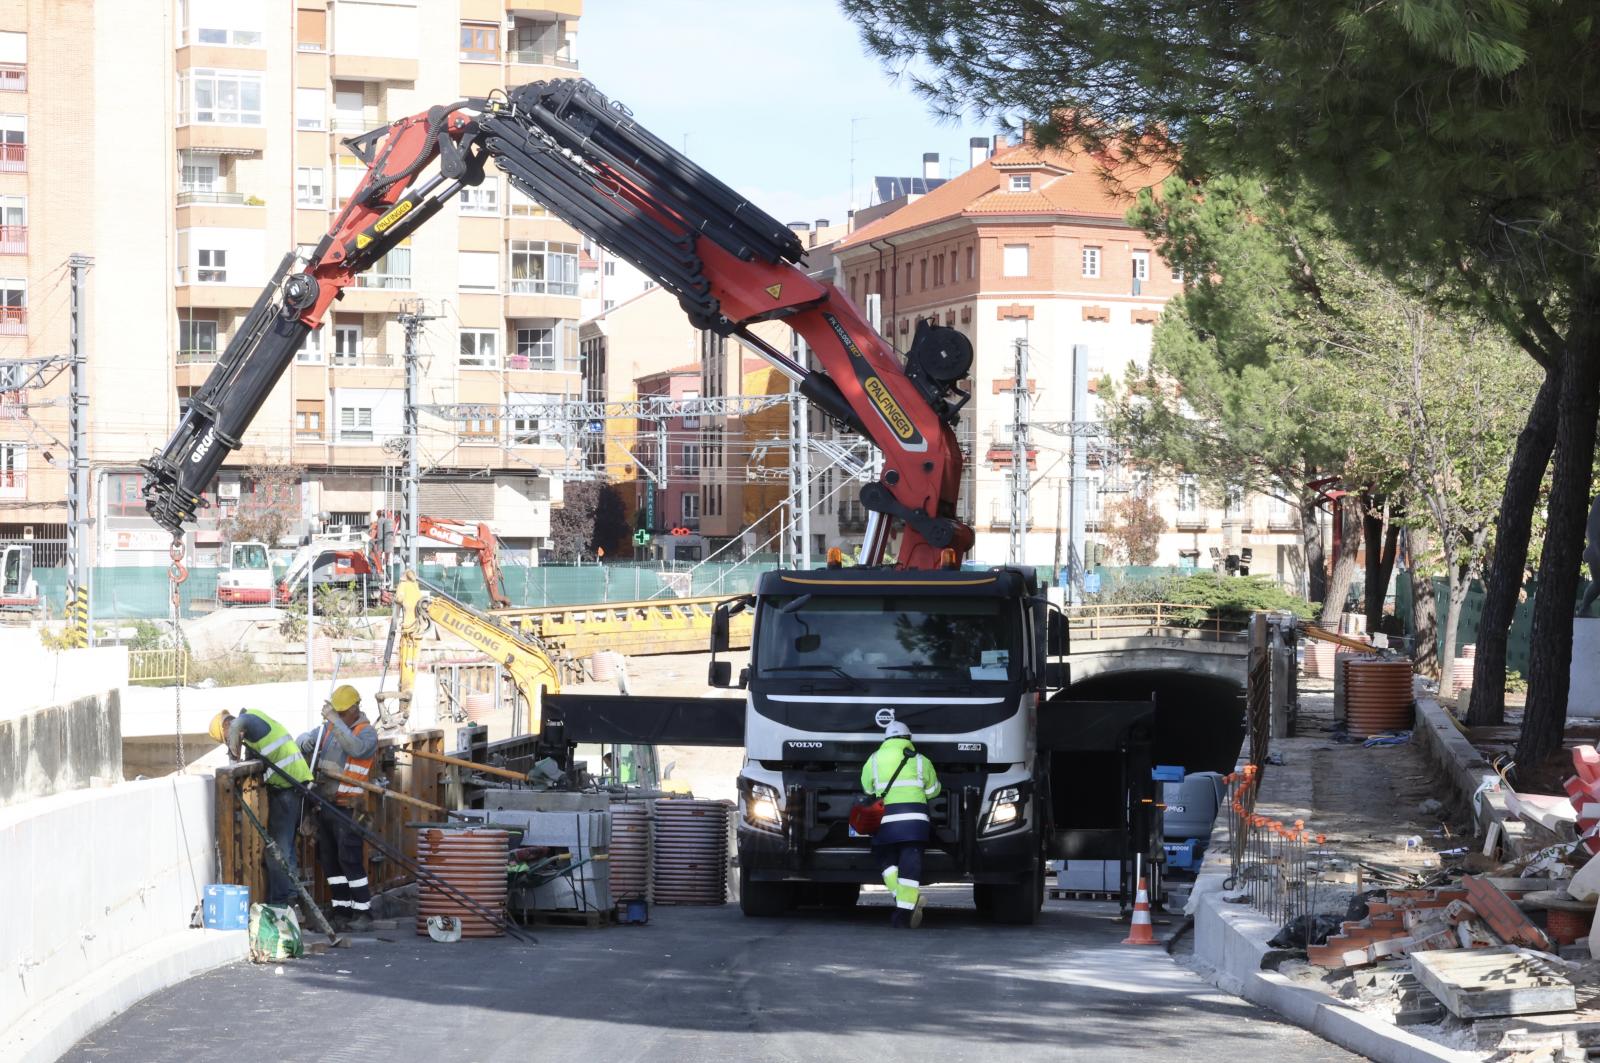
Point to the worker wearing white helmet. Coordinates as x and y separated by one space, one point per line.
906 782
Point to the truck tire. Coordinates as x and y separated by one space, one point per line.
762 900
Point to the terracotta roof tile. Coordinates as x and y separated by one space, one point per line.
1081 190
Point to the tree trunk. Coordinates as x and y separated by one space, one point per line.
1460 581
1381 544
1550 656
1344 565
1311 539
1503 582
1423 623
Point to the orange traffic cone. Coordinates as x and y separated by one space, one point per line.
1141 932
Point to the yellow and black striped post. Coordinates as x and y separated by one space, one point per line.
78 616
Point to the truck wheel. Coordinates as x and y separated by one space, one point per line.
763 900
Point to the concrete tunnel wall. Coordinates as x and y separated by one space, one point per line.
1199 715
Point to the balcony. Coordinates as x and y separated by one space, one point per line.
351 125
13 158
529 58
384 280
13 77
204 197
197 356
1190 521
13 239
13 321
363 360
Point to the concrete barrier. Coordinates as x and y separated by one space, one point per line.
99 887
60 748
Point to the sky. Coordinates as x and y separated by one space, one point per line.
765 94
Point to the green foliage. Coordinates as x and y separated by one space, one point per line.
1224 597
1516 682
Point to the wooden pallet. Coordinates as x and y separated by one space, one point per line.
1056 894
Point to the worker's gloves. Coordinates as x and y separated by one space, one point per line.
329 713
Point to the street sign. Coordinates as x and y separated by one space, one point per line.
1091 583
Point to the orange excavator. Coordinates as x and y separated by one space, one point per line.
477 537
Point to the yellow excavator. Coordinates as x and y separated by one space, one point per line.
524 659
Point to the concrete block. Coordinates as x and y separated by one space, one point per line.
1583 695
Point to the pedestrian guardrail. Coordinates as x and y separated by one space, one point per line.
167 666
1135 619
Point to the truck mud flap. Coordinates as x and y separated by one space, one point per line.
648 720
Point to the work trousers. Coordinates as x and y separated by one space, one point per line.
339 850
283 822
901 864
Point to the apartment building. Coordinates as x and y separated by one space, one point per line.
669 500
1031 245
194 145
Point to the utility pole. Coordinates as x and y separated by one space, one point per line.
1019 453
79 572
412 320
1080 469
799 467
1057 571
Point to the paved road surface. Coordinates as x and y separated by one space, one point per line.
708 984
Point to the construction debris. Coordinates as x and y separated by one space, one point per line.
1486 983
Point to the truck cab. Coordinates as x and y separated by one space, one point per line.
960 657
19 592
245 577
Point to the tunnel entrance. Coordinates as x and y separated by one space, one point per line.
1199 718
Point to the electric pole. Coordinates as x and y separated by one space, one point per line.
1080 469
1019 453
412 321
79 572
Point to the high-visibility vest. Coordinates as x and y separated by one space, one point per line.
277 746
917 782
355 768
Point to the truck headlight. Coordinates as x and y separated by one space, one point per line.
1005 808
761 807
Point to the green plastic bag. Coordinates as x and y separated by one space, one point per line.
274 934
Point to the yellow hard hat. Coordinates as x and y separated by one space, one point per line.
345 698
219 726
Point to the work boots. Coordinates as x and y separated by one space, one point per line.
360 923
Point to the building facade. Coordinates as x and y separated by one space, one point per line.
1030 247
193 146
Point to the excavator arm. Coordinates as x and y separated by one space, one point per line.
479 538
531 670
730 265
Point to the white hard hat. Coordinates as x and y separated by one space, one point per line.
897 730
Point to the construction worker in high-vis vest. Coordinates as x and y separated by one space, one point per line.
345 745
270 741
903 834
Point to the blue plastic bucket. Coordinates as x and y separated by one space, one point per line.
225 907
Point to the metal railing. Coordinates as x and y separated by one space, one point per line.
13 239
364 359
384 280
165 665
531 58
13 158
199 197
13 321
1133 619
13 77
196 356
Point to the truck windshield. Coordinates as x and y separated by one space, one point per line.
889 637
250 555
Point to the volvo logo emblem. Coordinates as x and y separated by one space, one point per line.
884 717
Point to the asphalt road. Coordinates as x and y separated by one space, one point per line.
709 984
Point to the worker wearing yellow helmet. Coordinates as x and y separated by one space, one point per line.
269 741
345 746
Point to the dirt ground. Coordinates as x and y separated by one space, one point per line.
1369 802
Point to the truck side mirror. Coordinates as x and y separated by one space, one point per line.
1057 643
720 674
1057 674
719 631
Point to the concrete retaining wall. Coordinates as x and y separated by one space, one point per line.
98 889
40 677
64 747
